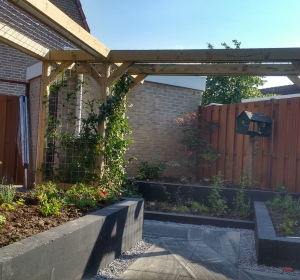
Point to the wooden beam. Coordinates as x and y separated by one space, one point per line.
118 73
59 68
137 80
92 71
53 17
70 55
42 121
296 63
207 55
215 69
295 79
22 43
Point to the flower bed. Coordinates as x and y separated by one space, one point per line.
77 248
270 249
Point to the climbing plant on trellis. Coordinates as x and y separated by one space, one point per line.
73 142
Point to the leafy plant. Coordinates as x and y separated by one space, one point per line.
217 203
7 194
280 187
241 208
184 180
199 151
181 209
7 206
199 207
2 221
51 207
286 226
153 170
80 146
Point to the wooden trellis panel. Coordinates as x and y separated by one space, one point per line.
276 158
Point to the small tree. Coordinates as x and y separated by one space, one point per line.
231 89
199 151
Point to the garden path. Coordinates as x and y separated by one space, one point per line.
185 253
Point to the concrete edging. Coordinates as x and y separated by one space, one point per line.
76 249
198 220
270 249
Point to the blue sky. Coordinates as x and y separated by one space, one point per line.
191 24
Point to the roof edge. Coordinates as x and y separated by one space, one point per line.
86 26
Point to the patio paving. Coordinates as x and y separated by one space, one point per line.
190 253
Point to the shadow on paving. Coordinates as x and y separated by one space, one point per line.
184 253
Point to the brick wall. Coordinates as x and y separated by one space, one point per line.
154 131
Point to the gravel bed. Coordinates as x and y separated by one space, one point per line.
118 266
247 254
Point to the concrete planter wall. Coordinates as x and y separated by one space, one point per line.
77 249
158 191
270 249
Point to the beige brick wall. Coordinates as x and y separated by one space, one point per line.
154 131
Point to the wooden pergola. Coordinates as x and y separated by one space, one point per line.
138 63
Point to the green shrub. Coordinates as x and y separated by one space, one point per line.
181 209
7 194
199 207
153 170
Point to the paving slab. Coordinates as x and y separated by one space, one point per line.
184 253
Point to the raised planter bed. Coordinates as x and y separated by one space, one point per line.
77 249
270 249
157 191
198 220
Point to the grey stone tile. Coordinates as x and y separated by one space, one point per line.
142 275
209 272
168 231
168 265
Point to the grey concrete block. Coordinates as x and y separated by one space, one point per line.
73 249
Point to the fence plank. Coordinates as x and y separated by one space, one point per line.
222 138
3 100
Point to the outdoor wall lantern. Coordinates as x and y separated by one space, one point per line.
262 124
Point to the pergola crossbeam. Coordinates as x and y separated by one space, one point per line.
215 69
118 72
207 55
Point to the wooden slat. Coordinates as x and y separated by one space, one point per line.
3 102
10 138
221 164
118 73
294 123
230 135
214 141
281 143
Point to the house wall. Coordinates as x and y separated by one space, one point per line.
154 131
14 65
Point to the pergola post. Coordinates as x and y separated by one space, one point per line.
44 91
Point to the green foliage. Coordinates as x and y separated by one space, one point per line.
199 151
280 187
286 203
79 196
184 180
286 226
181 209
241 208
199 207
130 188
2 221
80 150
51 207
7 206
154 170
231 89
217 203
7 194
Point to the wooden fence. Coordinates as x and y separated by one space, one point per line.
11 167
276 158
